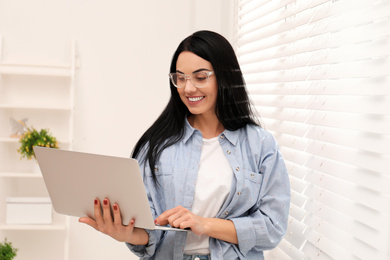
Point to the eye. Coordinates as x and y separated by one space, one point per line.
200 77
180 78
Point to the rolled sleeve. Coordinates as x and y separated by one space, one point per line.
149 249
257 231
246 234
266 224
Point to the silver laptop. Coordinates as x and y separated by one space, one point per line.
74 180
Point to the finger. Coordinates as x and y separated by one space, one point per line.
182 219
107 211
131 224
98 212
89 222
117 215
163 218
175 219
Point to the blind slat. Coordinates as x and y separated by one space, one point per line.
369 142
349 211
332 237
379 182
372 86
351 156
289 107
316 24
318 73
350 121
351 52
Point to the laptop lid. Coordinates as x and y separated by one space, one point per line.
74 180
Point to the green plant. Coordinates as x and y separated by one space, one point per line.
33 138
7 251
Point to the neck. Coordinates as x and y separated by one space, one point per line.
209 126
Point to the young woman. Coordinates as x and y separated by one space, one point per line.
207 166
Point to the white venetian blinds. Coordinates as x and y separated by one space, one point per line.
318 73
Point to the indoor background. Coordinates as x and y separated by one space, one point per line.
317 72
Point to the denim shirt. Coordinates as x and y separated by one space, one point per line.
258 203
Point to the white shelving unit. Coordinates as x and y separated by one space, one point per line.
43 93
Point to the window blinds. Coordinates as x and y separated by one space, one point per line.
318 73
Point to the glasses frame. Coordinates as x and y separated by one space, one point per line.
189 77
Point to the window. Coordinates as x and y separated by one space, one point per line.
318 73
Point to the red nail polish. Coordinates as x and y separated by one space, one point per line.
155 221
96 201
105 202
115 207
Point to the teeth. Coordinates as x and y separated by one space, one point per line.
195 99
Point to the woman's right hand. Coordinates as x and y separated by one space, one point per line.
104 223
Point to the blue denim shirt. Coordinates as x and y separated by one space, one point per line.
258 203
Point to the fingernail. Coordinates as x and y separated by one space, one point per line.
132 222
96 202
155 221
115 207
105 202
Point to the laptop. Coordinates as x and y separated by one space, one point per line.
74 180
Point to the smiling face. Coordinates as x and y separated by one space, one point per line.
199 101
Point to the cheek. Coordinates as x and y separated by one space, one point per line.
180 91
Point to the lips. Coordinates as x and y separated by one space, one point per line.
195 99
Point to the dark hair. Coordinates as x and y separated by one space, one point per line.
233 107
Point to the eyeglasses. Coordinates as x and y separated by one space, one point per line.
198 79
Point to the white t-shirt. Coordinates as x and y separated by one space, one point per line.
212 188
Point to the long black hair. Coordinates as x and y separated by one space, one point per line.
233 107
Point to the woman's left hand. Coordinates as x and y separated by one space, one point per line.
180 217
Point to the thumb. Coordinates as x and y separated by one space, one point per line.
161 221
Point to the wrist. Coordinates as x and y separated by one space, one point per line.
207 226
139 237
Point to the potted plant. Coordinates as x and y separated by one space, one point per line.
31 138
7 251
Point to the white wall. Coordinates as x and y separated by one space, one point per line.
122 85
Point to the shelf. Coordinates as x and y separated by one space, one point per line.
16 140
8 140
33 227
35 107
38 70
43 92
20 175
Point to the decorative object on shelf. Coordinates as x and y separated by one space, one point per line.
18 127
33 138
7 251
28 211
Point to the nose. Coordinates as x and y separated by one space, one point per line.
189 87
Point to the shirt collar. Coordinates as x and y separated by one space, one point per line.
231 136
188 130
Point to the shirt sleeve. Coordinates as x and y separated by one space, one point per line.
154 235
266 225
146 250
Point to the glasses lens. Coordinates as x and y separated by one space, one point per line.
199 79
178 79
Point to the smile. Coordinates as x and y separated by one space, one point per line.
194 99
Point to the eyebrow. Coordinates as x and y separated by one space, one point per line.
198 70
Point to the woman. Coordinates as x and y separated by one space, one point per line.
207 166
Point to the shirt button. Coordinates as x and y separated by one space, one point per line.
228 152
238 168
239 193
252 175
222 137
227 212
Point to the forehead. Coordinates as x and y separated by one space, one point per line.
188 62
